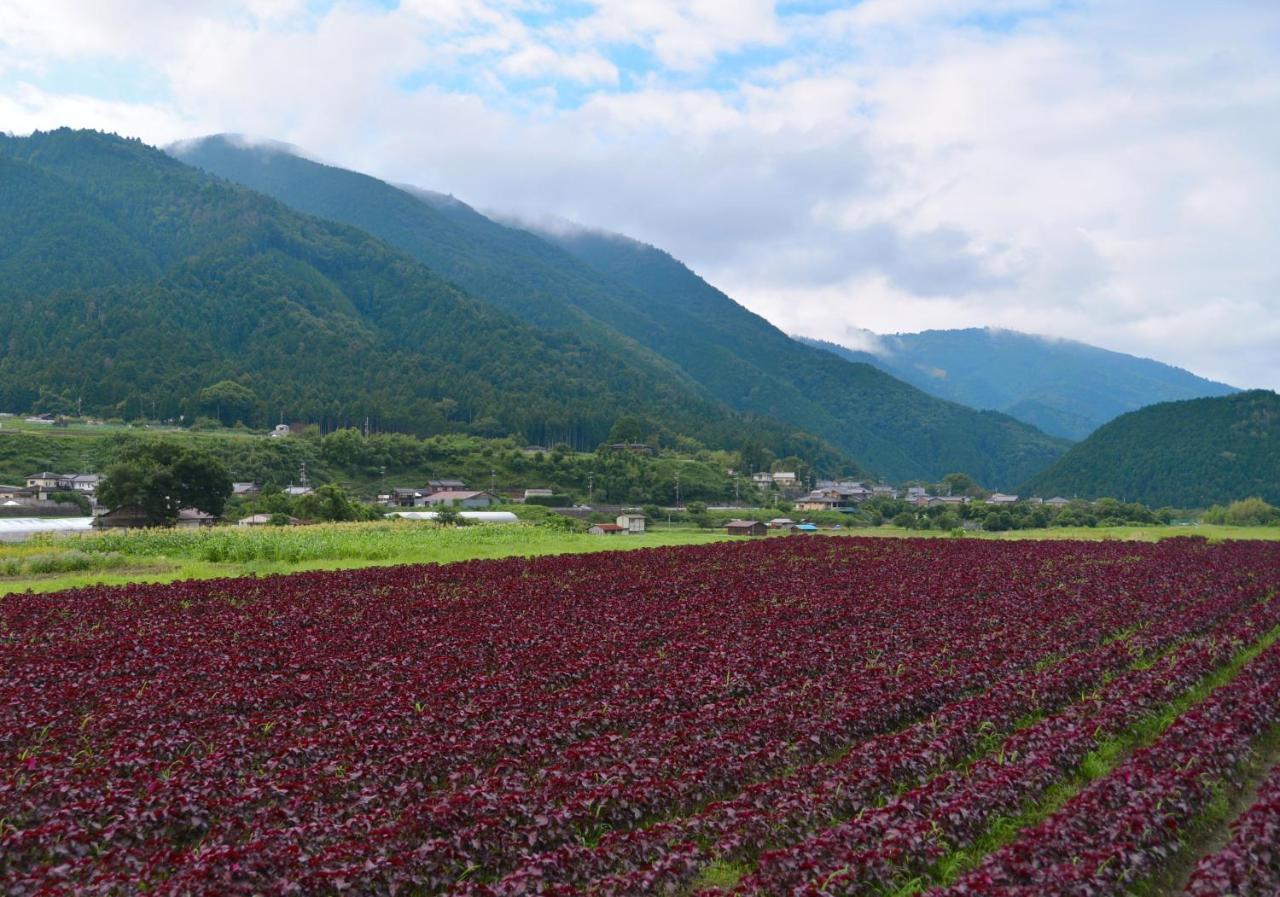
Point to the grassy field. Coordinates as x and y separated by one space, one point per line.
50 563
54 562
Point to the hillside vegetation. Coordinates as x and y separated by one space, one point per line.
633 298
130 282
1181 454
1064 387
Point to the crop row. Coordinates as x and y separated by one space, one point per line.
1248 865
1123 827
781 810
607 722
904 837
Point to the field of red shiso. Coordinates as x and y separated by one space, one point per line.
790 716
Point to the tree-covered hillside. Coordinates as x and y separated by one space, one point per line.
1193 453
130 282
752 365
1064 387
638 299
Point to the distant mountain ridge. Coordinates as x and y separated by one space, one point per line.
1186 454
1065 388
641 300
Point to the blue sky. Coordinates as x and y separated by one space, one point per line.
1097 170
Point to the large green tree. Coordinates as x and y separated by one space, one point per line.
228 400
163 477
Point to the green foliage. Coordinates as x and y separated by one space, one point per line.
448 515
330 503
1179 454
163 477
79 499
630 301
139 287
1246 512
229 401
550 501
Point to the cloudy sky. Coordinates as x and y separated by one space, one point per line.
1107 170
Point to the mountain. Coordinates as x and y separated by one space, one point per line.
1185 454
1065 388
643 299
130 281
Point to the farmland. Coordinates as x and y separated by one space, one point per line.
788 716
55 562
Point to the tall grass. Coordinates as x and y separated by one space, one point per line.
294 544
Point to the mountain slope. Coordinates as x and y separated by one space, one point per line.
749 363
1064 387
130 280
1187 454
641 298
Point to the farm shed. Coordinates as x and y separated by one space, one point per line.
746 528
605 529
632 523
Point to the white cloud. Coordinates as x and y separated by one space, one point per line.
1095 170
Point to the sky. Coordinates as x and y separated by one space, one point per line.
1103 170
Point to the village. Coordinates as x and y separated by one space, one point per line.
51 501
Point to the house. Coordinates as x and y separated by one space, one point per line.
538 493
764 479
781 523
632 523
818 501
434 486
123 517
194 518
605 529
47 482
852 490
16 494
999 498
940 500
456 498
279 430
245 490
264 520
1057 502
914 492
883 491
294 491
746 528
407 498
84 482
786 479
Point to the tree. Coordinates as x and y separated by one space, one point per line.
228 400
329 502
447 515
164 477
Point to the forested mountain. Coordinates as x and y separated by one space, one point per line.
130 281
1186 454
641 298
1065 388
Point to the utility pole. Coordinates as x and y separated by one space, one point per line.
493 477
591 487
677 490
303 473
